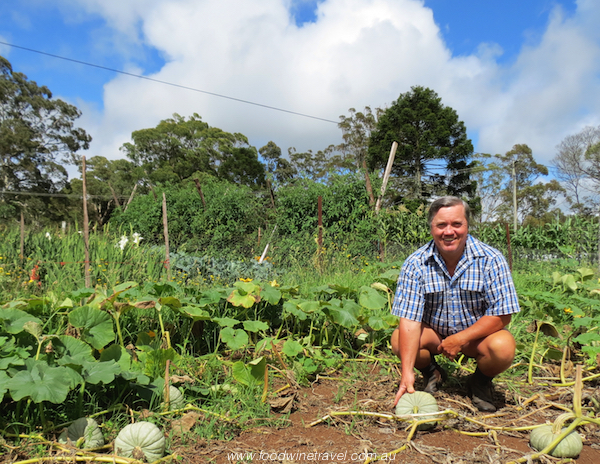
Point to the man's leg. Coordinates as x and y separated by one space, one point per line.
433 374
494 354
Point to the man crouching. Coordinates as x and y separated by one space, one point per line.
454 295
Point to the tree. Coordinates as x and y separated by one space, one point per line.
277 167
177 148
309 165
356 133
109 185
37 137
433 156
534 199
576 168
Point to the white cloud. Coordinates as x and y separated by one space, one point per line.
356 53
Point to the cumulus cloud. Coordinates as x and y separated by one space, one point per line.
355 53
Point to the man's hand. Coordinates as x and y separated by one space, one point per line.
406 386
451 346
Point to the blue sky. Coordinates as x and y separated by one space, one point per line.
515 71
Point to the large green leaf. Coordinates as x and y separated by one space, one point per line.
343 313
96 326
371 299
390 277
11 354
71 350
292 348
170 301
130 368
4 378
248 374
234 338
195 312
255 326
240 298
226 321
14 319
271 294
210 297
40 382
97 372
293 308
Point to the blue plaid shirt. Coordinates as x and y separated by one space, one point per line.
481 286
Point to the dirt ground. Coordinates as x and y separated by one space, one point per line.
307 436
346 438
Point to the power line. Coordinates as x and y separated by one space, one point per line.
139 76
60 195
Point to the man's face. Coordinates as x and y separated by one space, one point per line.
449 229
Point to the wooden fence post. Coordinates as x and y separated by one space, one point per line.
166 232
510 258
197 182
320 232
22 249
386 175
86 228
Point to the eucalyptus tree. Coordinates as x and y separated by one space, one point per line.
434 153
356 134
524 198
277 167
178 148
37 139
578 168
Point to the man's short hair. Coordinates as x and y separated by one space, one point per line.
446 202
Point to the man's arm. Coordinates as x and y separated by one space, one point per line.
405 345
485 326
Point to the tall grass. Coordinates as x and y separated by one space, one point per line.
56 259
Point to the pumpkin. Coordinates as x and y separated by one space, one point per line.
140 440
176 399
568 447
83 433
417 403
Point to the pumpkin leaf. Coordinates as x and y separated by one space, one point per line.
40 382
234 338
96 326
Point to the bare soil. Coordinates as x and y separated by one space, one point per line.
307 436
346 438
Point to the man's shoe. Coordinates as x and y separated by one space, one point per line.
433 377
481 391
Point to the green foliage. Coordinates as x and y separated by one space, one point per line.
37 137
177 149
228 224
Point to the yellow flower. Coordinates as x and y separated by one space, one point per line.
274 283
245 280
568 310
151 333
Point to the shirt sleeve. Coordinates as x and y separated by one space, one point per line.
409 299
501 295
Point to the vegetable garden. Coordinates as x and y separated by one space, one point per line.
220 355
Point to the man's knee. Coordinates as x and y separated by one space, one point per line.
500 348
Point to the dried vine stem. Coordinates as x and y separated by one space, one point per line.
576 415
419 419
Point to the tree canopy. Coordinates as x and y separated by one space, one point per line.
177 148
37 137
433 155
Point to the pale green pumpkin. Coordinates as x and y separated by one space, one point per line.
176 398
83 433
141 440
417 403
568 447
